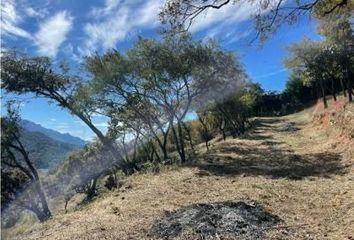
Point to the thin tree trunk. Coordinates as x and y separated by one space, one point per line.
165 138
323 95
181 137
91 192
178 147
343 87
189 135
45 212
333 90
350 91
205 129
222 129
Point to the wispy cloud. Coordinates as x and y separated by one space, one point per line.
236 36
269 74
227 15
52 33
10 20
225 21
69 51
116 20
31 12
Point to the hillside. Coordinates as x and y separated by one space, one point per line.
63 137
44 151
298 167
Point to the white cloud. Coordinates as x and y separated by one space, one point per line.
31 12
10 19
106 10
52 33
216 21
116 20
273 73
227 15
236 36
68 50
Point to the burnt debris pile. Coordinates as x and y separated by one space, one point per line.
247 220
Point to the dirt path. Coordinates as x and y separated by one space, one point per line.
282 165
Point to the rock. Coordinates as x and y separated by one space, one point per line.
247 220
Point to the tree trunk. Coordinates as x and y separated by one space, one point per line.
91 191
189 135
42 217
222 128
205 129
333 90
323 95
325 104
178 147
334 97
350 91
181 138
44 205
343 87
42 211
162 145
230 121
164 148
66 205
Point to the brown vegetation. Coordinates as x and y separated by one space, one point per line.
292 173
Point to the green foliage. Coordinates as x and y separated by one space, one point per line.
325 66
44 151
297 91
78 170
20 184
156 83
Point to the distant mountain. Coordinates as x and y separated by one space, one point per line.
44 151
63 137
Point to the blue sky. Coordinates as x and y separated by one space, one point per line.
67 29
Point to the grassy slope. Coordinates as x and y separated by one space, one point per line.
306 177
44 151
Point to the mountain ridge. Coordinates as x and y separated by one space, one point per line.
55 135
44 151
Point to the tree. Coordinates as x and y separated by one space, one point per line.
114 82
21 74
20 183
268 15
327 65
160 82
297 92
310 59
339 43
207 124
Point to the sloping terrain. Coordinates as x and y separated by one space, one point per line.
44 151
62 137
295 168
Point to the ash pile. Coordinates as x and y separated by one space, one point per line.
245 220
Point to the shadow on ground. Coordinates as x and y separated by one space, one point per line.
264 156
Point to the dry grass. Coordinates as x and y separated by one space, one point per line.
296 175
